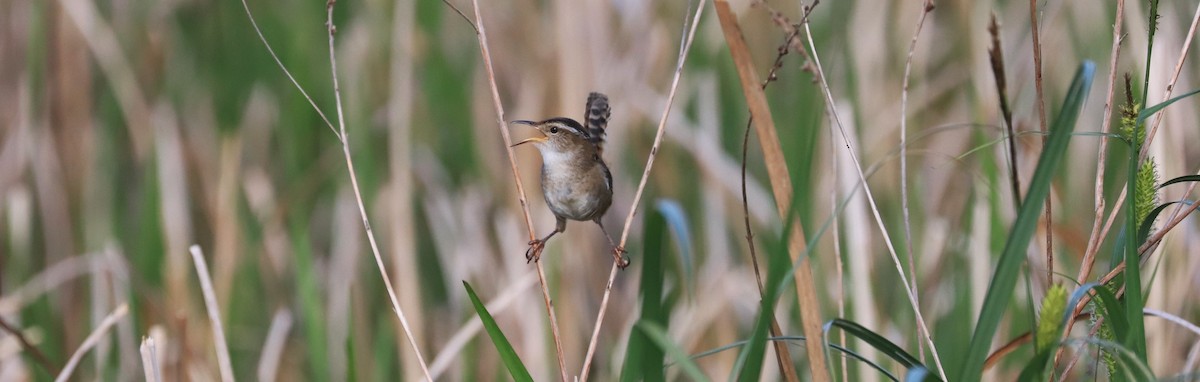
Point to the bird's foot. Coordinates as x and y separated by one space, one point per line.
534 253
620 258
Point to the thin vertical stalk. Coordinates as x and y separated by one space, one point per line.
685 46
481 33
362 209
926 8
1041 107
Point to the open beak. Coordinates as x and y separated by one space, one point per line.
541 138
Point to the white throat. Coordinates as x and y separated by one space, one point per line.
551 157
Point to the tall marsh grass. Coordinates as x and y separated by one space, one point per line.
878 191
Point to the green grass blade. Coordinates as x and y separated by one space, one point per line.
880 343
507 355
843 350
1037 367
1147 112
644 360
1153 22
658 334
917 374
1004 279
1185 178
311 306
749 363
1135 369
1111 305
1136 340
676 218
1148 223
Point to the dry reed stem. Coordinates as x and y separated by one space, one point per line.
1041 107
1089 257
214 314
996 58
287 73
837 250
150 365
34 352
783 355
1177 214
42 283
1158 119
400 101
1187 44
91 341
461 14
103 42
1143 252
685 45
481 33
273 346
781 186
349 161
832 110
1173 319
912 267
1012 345
1167 94
362 210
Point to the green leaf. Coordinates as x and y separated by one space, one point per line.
879 343
507 355
1045 349
749 363
311 306
1008 268
847 352
1148 223
659 335
1185 178
1111 304
1135 369
917 374
1136 340
643 360
1147 112
676 218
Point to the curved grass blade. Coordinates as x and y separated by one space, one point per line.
1136 340
839 348
1135 369
676 218
1037 367
1148 223
507 355
1147 112
1185 178
879 343
658 334
1004 279
917 374
644 360
748 366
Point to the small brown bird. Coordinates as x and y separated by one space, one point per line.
575 180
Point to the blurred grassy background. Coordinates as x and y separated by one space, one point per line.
131 129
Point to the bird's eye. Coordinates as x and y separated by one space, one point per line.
553 129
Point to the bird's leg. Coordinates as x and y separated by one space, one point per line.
618 251
537 245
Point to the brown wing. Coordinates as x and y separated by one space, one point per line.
596 119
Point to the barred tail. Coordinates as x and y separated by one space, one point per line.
596 119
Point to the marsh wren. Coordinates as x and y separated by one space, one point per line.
575 180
